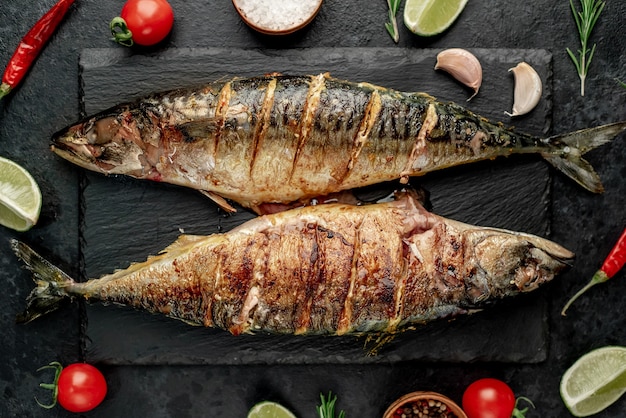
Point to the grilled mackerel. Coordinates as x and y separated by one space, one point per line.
326 269
282 139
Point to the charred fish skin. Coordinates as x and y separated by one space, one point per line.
283 139
328 269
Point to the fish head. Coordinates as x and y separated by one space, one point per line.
511 262
112 142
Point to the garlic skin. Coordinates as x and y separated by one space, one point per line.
528 89
463 66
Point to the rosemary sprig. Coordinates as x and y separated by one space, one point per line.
585 21
327 408
392 24
620 82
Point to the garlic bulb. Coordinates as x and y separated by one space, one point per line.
463 66
528 89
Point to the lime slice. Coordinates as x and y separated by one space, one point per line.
267 409
431 17
20 197
594 381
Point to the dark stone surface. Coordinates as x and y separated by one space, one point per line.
588 224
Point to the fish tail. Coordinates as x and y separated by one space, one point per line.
568 159
52 283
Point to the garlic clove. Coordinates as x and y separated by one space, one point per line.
463 66
528 89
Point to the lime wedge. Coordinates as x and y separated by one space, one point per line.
267 409
594 381
431 17
20 197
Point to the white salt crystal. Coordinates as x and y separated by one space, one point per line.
277 14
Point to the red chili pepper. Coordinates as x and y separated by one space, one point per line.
31 45
612 264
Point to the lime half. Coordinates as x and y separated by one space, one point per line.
594 381
431 17
269 409
20 197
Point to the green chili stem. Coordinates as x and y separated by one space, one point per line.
598 277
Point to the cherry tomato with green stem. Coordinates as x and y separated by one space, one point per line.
79 387
144 22
491 398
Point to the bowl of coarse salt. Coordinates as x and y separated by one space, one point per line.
277 17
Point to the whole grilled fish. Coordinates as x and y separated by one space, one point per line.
325 269
282 139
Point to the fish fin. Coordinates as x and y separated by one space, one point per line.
473 311
182 241
345 196
578 143
51 283
578 169
375 342
219 200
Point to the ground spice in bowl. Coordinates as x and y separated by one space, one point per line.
424 405
277 17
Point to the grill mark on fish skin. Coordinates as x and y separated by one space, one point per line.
263 122
317 319
343 325
420 146
207 298
312 101
303 322
372 110
209 318
395 321
220 113
249 278
258 279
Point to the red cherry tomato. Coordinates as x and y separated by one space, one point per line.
79 387
150 21
488 398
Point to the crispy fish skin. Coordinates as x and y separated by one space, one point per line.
327 269
283 139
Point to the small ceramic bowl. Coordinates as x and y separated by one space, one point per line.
437 404
277 17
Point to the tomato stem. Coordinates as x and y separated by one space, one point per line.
521 413
121 34
54 387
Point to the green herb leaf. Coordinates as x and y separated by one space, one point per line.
621 83
327 408
392 24
585 20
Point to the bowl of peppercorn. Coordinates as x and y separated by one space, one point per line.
424 405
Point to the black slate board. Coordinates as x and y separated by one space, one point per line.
125 220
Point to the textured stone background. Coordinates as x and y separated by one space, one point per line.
585 223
